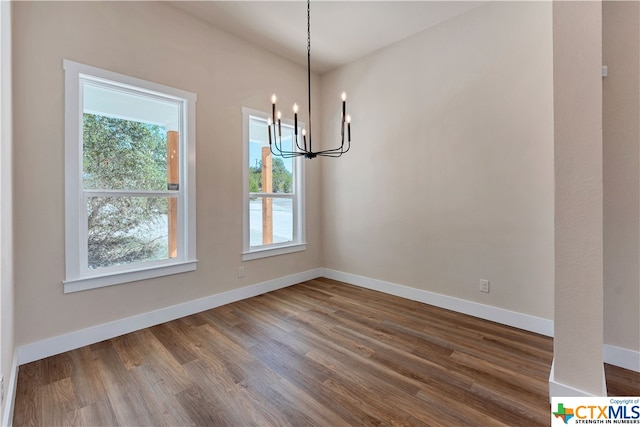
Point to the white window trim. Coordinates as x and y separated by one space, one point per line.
78 278
299 243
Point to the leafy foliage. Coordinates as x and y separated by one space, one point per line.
282 178
255 179
124 155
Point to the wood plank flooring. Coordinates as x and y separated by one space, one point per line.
321 353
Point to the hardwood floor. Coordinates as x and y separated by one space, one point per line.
622 382
319 353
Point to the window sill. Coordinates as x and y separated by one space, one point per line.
83 284
273 251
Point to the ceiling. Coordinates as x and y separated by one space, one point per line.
341 31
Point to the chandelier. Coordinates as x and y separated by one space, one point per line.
304 147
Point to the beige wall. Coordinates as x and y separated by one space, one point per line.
450 176
621 173
578 323
152 41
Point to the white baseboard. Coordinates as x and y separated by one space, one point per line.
10 393
557 389
495 314
622 357
59 344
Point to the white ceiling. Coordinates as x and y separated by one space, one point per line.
341 31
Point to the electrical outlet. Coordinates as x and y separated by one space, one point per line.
240 272
484 285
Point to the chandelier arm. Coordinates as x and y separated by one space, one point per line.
334 155
283 153
298 145
339 149
330 153
279 149
276 145
273 152
331 150
290 155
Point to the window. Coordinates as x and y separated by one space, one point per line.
129 178
273 192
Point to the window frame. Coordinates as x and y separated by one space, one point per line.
298 242
78 276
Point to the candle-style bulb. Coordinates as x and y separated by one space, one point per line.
304 132
295 108
269 121
348 118
279 115
344 96
273 98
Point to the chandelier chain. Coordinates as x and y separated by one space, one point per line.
309 67
308 27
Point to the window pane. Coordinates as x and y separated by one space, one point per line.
259 153
124 138
279 229
124 230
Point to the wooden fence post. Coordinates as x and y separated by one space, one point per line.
267 202
173 178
